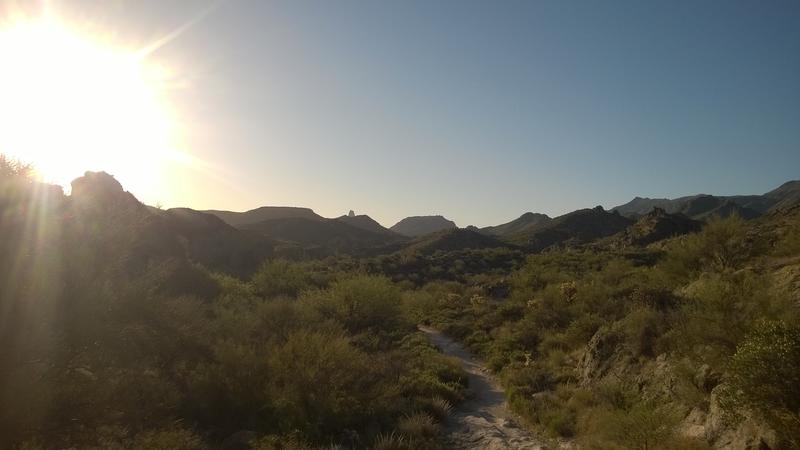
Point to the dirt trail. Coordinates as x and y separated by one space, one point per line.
483 421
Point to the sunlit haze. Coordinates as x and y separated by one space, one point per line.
478 112
72 102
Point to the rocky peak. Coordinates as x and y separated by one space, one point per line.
99 189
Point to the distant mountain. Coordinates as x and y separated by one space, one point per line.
421 225
453 240
323 237
578 227
655 226
703 206
517 225
263 213
365 222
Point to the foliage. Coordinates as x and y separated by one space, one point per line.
764 376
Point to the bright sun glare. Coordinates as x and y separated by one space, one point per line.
70 102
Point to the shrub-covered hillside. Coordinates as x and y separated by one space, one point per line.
688 343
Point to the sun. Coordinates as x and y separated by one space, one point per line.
70 102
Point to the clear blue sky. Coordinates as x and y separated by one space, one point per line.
479 111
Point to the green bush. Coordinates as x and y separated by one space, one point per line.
644 426
281 278
764 376
349 395
361 303
721 245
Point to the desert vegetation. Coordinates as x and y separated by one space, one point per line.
631 348
115 341
116 337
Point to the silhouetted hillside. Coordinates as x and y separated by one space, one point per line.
703 206
453 240
517 225
322 237
578 227
420 225
366 222
263 213
217 245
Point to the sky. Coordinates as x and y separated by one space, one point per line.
476 110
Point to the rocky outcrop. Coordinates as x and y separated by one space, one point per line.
596 358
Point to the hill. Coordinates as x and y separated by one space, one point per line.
322 237
366 223
578 227
784 197
215 244
263 213
455 239
703 206
421 225
517 225
655 226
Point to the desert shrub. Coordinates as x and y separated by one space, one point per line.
169 439
764 376
349 395
281 277
719 310
440 408
391 441
575 335
722 244
361 304
418 425
643 426
282 442
428 373
641 329
419 305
